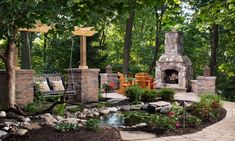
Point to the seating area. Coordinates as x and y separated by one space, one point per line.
50 85
144 80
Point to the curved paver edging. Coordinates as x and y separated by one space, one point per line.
221 131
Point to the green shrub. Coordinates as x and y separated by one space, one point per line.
92 125
134 93
208 109
59 109
132 118
193 121
149 95
167 94
64 127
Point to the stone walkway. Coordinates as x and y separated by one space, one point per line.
221 131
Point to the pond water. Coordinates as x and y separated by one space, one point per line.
113 119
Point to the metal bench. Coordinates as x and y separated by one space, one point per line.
69 94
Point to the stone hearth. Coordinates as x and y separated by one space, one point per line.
173 69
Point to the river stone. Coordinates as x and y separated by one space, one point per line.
8 123
104 111
81 115
144 107
3 114
113 109
48 118
3 134
71 120
136 107
21 131
96 114
32 126
125 107
89 114
67 114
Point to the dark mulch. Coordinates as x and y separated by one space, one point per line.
47 133
178 131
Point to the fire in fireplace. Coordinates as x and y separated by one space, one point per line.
171 76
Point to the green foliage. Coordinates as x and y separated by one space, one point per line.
134 93
59 109
133 117
65 127
167 94
92 125
37 104
193 121
148 95
75 109
208 109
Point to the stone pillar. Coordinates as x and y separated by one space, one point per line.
206 71
205 84
85 82
83 59
24 86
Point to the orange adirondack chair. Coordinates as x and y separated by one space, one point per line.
123 85
144 80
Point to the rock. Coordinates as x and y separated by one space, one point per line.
3 134
48 118
32 126
125 107
187 104
8 124
136 107
158 109
67 114
159 104
96 114
104 111
25 119
6 128
140 125
71 120
85 110
21 131
89 114
3 114
166 109
113 109
144 107
59 118
81 115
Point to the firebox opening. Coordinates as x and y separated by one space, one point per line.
171 76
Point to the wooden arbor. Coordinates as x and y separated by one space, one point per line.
83 32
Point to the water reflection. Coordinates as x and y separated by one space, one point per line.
113 119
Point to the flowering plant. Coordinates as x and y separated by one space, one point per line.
108 87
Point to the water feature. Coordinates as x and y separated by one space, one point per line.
113 119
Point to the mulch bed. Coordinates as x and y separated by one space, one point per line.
47 133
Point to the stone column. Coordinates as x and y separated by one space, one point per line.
83 59
24 86
206 84
85 82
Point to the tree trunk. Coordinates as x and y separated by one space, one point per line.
127 45
11 77
214 46
44 55
158 32
26 51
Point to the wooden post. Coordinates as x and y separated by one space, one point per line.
83 61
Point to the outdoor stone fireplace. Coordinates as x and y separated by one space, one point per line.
173 69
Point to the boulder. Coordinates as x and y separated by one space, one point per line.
71 120
32 126
81 115
144 107
3 114
67 114
159 104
